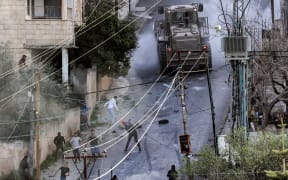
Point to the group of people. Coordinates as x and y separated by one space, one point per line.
94 141
75 141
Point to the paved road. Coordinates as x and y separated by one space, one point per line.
160 146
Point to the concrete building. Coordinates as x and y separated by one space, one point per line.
39 29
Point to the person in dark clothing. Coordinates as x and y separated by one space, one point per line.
132 133
59 141
24 169
114 178
94 142
64 171
172 173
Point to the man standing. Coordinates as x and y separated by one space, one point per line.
59 141
132 132
24 169
93 143
172 173
111 105
75 141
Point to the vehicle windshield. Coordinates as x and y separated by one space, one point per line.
184 17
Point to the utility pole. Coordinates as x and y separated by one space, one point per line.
236 51
215 143
37 124
272 13
185 138
85 157
31 144
129 6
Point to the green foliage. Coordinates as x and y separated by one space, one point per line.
281 154
50 160
247 159
9 176
126 97
111 57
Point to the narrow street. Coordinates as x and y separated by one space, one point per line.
160 146
64 71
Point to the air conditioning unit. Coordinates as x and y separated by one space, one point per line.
235 45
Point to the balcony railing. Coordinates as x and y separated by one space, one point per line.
46 12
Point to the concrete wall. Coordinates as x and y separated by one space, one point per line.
70 125
78 77
12 152
11 155
104 83
86 81
91 85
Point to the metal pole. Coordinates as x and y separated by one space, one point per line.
272 12
211 105
184 112
37 125
84 168
31 145
73 22
129 6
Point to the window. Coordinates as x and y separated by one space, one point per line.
28 7
177 17
46 9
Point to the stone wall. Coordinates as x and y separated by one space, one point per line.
13 152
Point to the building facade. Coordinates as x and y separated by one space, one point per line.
39 28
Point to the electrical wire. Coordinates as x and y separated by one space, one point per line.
139 123
141 137
58 45
73 61
94 9
29 121
21 114
188 54
56 54
148 112
167 95
136 104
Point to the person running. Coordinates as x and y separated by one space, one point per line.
75 141
132 132
112 106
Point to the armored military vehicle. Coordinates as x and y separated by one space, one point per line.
180 31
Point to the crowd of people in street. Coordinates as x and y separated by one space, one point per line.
60 142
